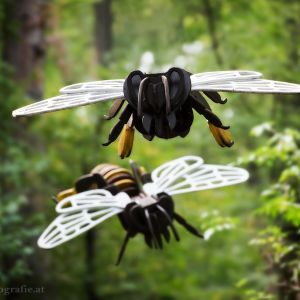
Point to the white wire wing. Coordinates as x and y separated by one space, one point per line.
85 211
96 198
189 174
78 94
240 81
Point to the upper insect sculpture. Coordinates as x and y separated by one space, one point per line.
161 104
143 201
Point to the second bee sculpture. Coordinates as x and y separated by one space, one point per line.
143 201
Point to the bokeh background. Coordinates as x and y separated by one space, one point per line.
251 249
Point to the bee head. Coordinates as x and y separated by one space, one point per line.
159 93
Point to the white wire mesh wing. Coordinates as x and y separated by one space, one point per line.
102 86
79 218
186 174
78 94
97 198
223 76
241 82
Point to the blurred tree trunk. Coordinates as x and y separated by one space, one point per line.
287 106
24 43
211 19
23 49
103 44
103 29
90 243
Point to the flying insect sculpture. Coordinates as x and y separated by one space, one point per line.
143 201
161 104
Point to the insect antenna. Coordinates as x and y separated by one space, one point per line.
137 172
140 96
167 93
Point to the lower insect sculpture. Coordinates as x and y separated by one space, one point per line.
153 221
143 201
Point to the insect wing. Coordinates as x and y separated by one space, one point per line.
171 171
186 175
80 216
68 226
79 94
97 198
223 76
103 86
241 82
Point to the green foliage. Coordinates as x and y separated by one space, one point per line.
16 232
279 240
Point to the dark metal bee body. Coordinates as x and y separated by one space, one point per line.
145 215
162 105
160 102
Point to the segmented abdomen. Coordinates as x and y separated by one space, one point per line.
119 177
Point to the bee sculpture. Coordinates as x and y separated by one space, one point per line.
161 104
143 201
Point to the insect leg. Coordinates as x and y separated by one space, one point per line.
147 215
170 222
208 114
187 226
166 233
197 96
215 97
222 136
148 240
116 130
114 109
123 247
157 230
148 137
126 139
218 130
162 225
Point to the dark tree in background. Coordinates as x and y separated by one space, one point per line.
103 44
103 29
24 43
22 56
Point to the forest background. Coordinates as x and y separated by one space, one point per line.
251 248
